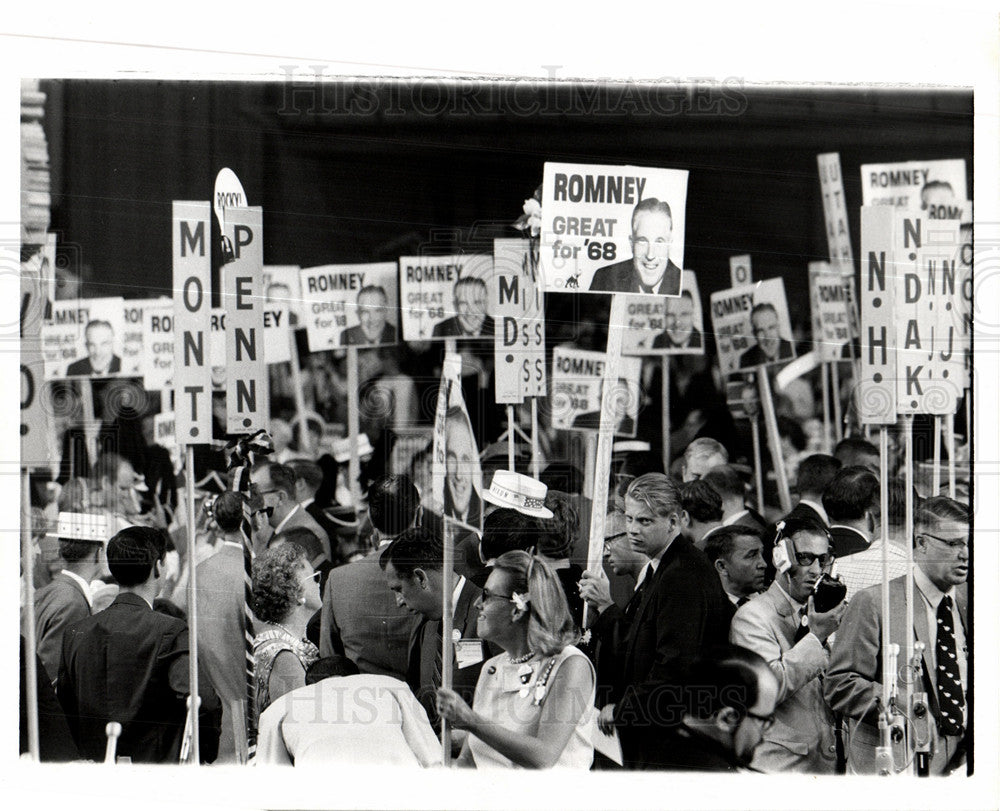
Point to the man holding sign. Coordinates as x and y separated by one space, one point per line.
650 269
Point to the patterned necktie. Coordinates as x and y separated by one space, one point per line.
951 697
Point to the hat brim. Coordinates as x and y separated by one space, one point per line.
536 512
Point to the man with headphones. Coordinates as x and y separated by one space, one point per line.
783 626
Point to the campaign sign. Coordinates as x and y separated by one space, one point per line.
350 305
84 338
456 475
932 186
519 320
446 297
831 183
158 345
132 346
752 326
964 308
740 270
829 295
247 394
192 274
665 325
34 416
164 430
577 388
928 356
612 229
282 288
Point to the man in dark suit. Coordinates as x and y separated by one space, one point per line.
129 664
308 480
814 476
940 621
770 347
650 269
360 618
681 333
373 313
275 484
851 502
412 565
470 319
101 360
67 598
682 614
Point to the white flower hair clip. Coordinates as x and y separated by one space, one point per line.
521 600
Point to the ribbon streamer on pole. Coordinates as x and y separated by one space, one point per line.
245 454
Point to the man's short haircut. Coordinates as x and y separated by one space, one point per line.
98 322
725 481
228 510
73 550
562 476
414 548
652 205
793 526
816 472
701 501
507 530
330 666
373 288
657 491
762 307
936 509
853 451
725 676
308 471
897 501
282 478
470 281
721 543
393 502
133 552
705 446
302 537
851 494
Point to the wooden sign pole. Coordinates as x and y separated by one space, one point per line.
353 426
30 637
305 440
447 623
665 388
536 461
951 455
511 436
838 424
758 474
936 461
774 438
824 373
192 610
887 675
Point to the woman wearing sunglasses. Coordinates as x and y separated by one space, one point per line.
285 596
533 703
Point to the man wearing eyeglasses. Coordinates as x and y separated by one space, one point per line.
650 269
802 737
940 616
275 484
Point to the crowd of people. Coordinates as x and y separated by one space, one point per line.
708 640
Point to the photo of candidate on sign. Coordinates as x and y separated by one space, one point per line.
577 388
446 297
613 229
751 326
350 305
84 338
667 325
932 186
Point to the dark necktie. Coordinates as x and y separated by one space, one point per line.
742 602
951 697
634 601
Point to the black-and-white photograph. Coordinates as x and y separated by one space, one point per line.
355 498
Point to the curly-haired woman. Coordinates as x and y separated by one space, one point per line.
285 596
